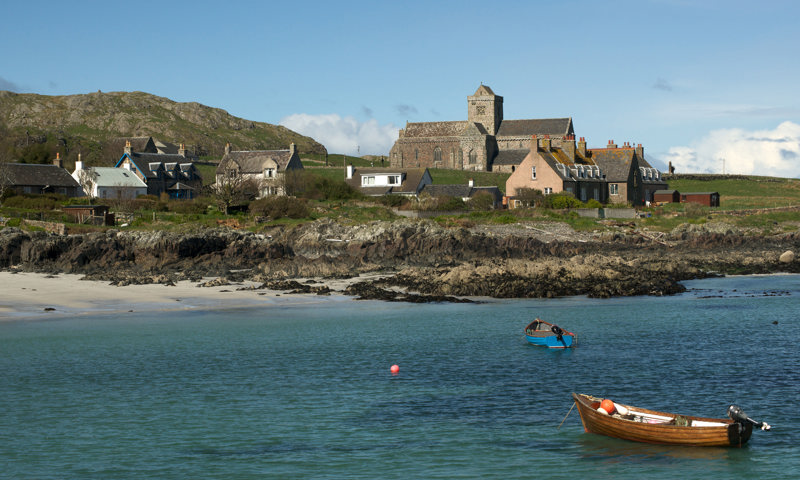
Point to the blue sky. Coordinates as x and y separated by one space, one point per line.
704 84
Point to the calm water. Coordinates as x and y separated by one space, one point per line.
306 392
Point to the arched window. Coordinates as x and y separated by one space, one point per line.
473 157
437 155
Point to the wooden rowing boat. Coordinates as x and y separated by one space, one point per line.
545 334
650 426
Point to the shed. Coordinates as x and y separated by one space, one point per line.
667 196
709 199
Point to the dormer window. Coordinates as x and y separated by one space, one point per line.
393 179
368 180
269 173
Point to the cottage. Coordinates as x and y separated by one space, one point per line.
109 182
169 173
266 168
36 178
388 181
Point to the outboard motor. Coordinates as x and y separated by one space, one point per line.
557 330
738 415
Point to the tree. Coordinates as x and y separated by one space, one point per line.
233 188
529 196
86 179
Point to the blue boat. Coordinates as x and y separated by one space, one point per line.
545 334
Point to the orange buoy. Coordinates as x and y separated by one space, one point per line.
608 406
394 369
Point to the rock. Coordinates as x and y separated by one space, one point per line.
787 257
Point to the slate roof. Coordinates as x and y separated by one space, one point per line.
252 162
510 157
615 162
116 177
462 191
434 129
138 144
149 163
26 174
542 126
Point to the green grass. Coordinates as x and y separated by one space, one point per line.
745 192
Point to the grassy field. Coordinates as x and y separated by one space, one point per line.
744 192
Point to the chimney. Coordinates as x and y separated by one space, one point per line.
639 150
227 148
611 144
128 148
471 183
57 162
349 172
546 143
568 146
534 143
582 146
292 149
78 164
182 150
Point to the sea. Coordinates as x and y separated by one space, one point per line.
306 391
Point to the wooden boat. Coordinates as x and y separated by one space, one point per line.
539 332
649 426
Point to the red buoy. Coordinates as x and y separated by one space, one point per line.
395 369
608 406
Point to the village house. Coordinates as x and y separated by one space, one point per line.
37 178
109 182
266 168
171 173
485 141
388 181
616 175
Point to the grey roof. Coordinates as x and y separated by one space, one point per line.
253 161
35 174
542 126
615 162
116 177
460 190
510 157
434 129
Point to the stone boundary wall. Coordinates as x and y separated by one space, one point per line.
52 227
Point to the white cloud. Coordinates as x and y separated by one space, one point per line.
774 153
344 135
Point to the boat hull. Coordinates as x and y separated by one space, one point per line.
550 340
714 432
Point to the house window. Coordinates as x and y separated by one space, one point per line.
548 190
365 180
269 173
533 173
393 179
613 189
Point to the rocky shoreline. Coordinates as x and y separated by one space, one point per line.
417 260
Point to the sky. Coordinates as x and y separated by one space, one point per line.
708 85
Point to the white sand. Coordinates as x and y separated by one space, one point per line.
33 295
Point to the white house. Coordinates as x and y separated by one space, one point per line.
109 182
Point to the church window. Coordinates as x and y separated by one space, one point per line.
473 157
437 155
480 110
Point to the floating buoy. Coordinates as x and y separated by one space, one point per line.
608 406
394 369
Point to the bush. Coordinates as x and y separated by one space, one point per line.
561 200
390 200
275 207
482 201
49 201
592 203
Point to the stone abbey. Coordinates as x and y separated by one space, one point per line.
484 142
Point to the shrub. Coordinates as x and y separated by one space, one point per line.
275 207
592 203
482 201
561 200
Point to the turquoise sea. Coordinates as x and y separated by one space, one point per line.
305 391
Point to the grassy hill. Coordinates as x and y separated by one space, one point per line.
34 127
741 191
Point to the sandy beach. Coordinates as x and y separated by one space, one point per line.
33 295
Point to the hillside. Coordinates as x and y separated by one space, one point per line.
34 127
